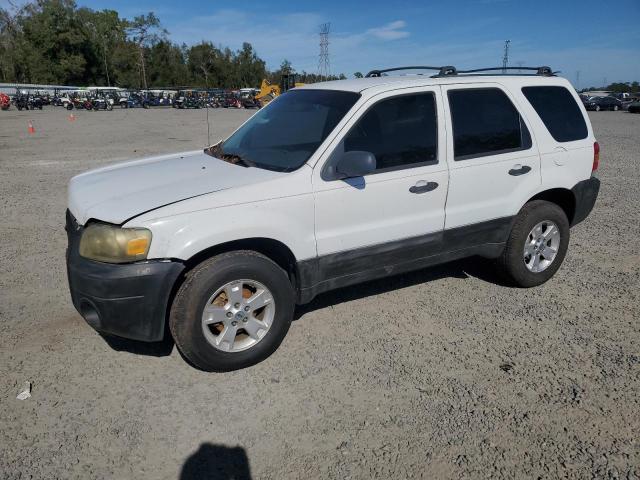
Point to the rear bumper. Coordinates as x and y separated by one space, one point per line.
128 300
585 193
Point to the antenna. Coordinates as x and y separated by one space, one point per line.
324 69
208 129
505 58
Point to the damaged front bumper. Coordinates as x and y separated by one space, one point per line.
126 300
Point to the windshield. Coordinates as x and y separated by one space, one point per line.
283 135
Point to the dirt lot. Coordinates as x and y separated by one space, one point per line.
440 373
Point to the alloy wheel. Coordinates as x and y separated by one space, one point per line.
238 315
541 246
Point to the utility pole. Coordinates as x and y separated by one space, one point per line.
520 63
324 68
578 80
505 58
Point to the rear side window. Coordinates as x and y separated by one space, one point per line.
485 122
401 132
559 112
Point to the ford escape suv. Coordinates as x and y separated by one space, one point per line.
330 185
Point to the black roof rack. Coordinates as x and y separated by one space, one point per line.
442 71
546 71
449 70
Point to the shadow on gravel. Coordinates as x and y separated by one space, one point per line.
477 267
216 462
153 349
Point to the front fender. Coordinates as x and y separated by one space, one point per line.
289 220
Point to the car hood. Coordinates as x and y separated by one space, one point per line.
120 192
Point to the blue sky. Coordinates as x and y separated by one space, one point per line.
587 36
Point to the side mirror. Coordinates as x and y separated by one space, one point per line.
355 164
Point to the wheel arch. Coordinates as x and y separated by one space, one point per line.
562 197
273 249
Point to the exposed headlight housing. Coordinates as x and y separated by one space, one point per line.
114 244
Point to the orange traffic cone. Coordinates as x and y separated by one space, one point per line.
31 129
72 117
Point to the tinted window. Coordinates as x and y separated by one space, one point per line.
485 122
559 112
283 135
399 131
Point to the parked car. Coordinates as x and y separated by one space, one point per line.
100 101
249 101
231 100
330 185
634 107
188 99
134 99
26 101
603 103
5 101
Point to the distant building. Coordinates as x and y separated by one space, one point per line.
11 88
597 93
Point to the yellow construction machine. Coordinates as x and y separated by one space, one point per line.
269 91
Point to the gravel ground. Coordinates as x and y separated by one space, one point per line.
442 373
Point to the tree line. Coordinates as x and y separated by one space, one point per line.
57 42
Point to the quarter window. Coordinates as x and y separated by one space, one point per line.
485 122
558 111
401 132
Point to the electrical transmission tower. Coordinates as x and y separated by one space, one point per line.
324 67
505 58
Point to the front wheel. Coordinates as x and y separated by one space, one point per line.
232 311
537 244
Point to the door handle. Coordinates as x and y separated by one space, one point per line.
423 187
519 170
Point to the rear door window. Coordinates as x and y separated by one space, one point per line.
485 122
558 111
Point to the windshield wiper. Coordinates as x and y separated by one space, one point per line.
217 152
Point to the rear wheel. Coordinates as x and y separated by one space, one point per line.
232 311
537 244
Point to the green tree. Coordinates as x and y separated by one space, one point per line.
104 30
54 46
166 65
358 75
145 31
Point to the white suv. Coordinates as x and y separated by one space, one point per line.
330 185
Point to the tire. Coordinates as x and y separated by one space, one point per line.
511 263
109 107
186 315
69 106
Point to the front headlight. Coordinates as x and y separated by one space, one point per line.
113 244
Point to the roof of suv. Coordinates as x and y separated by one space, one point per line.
406 81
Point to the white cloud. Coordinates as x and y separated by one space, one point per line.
390 31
